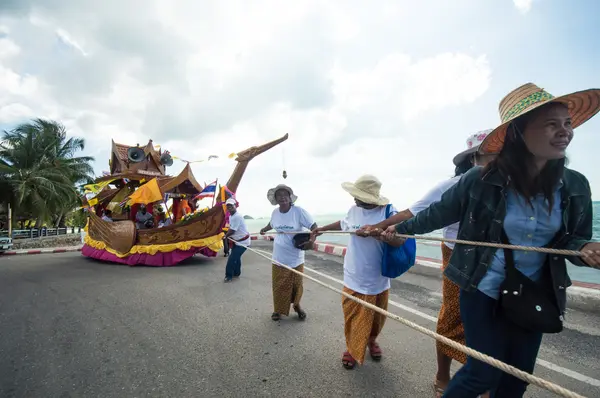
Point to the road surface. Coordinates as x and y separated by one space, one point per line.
73 327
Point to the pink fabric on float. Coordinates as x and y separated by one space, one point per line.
154 260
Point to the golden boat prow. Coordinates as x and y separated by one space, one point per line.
121 242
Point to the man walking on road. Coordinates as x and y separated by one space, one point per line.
239 239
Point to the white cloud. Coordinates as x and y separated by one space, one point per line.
8 48
345 80
523 5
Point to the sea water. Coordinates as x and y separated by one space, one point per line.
432 249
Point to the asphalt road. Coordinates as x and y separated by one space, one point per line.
74 327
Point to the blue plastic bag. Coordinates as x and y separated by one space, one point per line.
397 260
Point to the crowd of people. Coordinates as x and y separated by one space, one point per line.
512 186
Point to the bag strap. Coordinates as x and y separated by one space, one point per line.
388 210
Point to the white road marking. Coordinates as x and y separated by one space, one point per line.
549 365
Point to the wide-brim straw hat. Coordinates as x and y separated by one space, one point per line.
473 144
272 191
366 189
582 105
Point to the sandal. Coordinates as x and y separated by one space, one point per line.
301 313
347 361
375 351
275 316
438 391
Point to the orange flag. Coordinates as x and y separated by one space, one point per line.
147 193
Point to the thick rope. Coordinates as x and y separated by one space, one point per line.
529 378
462 242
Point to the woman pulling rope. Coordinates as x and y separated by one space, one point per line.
362 270
526 196
449 323
287 286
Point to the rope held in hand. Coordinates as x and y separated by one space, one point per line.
547 250
529 378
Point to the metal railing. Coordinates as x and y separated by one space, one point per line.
33 233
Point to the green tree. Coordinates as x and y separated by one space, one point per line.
40 170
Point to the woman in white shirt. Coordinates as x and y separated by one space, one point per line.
287 285
362 270
449 321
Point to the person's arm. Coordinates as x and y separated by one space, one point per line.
234 224
336 226
442 213
582 235
376 229
433 195
266 229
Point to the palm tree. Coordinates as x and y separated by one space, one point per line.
39 166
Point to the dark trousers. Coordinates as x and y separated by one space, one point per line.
226 246
489 332
234 262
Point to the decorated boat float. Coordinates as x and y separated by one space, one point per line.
138 177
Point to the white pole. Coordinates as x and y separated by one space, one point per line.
9 221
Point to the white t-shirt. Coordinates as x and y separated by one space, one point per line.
435 195
295 220
238 224
364 256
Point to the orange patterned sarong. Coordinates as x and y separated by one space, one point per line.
361 323
449 323
287 288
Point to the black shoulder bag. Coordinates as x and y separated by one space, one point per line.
526 303
300 241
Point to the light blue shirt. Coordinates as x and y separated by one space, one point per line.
524 226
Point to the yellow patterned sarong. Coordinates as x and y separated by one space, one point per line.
361 323
287 288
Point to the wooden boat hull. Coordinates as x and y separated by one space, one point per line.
120 241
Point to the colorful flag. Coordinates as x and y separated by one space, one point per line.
96 188
208 191
147 193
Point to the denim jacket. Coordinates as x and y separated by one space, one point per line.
478 202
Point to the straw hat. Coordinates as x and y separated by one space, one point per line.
582 106
366 189
473 143
272 191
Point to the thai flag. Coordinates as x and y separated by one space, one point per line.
208 191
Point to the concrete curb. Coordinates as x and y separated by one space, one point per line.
42 251
579 290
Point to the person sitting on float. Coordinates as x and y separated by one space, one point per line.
143 219
107 216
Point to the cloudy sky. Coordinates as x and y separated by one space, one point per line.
392 88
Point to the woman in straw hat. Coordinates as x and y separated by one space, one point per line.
362 270
527 197
287 285
449 323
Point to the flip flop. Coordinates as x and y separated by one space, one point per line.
437 390
275 316
301 313
375 351
347 361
